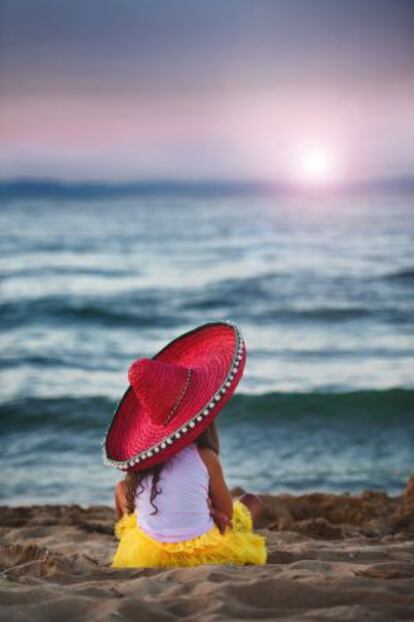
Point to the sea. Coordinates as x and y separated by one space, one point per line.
321 287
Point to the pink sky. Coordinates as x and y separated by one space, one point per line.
240 100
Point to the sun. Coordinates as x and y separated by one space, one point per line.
316 166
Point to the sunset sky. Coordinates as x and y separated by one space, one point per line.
311 90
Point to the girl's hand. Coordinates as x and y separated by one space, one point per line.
221 520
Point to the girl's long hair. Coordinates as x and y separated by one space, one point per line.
209 438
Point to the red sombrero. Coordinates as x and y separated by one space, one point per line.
173 397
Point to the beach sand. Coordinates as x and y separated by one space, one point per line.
331 557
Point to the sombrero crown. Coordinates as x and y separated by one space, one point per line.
174 396
159 386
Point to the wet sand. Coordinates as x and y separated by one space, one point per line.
330 557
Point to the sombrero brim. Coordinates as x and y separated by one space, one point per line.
216 355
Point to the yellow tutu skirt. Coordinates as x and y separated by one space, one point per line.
238 545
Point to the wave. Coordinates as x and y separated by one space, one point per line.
341 405
143 309
111 312
406 275
329 314
42 271
91 415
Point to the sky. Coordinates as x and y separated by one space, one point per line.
304 90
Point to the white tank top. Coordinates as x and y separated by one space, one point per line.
183 510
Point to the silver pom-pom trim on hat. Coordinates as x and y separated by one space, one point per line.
200 416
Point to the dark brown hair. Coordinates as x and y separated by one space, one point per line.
209 439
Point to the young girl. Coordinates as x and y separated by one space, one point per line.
174 507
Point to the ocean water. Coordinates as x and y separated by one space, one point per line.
322 289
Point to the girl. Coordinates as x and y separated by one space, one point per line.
174 507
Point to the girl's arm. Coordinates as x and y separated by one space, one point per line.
220 496
121 507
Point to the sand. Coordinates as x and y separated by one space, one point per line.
331 557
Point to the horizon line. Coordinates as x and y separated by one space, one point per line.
47 187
